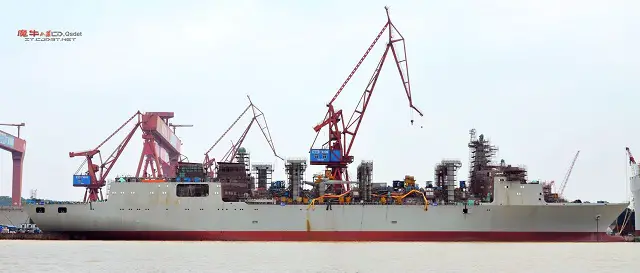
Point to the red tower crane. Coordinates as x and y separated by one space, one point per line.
161 149
97 174
17 147
229 156
336 152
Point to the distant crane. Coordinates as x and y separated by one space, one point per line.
210 162
336 151
17 147
566 176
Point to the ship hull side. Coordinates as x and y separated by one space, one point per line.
346 236
136 211
13 216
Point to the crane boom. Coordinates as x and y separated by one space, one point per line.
566 176
635 168
632 161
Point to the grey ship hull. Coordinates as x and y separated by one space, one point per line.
152 211
14 216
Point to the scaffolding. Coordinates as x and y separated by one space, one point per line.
365 178
244 157
514 173
445 175
263 174
295 168
481 154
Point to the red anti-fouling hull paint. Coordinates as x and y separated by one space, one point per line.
347 236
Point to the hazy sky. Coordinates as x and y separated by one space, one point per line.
541 79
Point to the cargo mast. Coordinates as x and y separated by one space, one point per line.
336 152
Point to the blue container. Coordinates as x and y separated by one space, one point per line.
278 184
81 180
197 179
187 179
324 155
463 184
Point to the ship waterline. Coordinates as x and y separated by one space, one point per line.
153 211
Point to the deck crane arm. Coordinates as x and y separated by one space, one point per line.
209 162
229 156
258 116
342 135
566 177
98 173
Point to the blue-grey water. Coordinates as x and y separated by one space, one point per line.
95 256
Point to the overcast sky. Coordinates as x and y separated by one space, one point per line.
542 79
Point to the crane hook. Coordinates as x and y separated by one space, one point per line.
412 122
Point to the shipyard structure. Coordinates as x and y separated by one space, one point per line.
13 214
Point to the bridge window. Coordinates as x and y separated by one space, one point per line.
40 210
192 190
62 209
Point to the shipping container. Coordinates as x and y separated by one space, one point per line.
81 180
324 156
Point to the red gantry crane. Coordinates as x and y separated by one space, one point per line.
335 154
229 156
17 147
160 153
